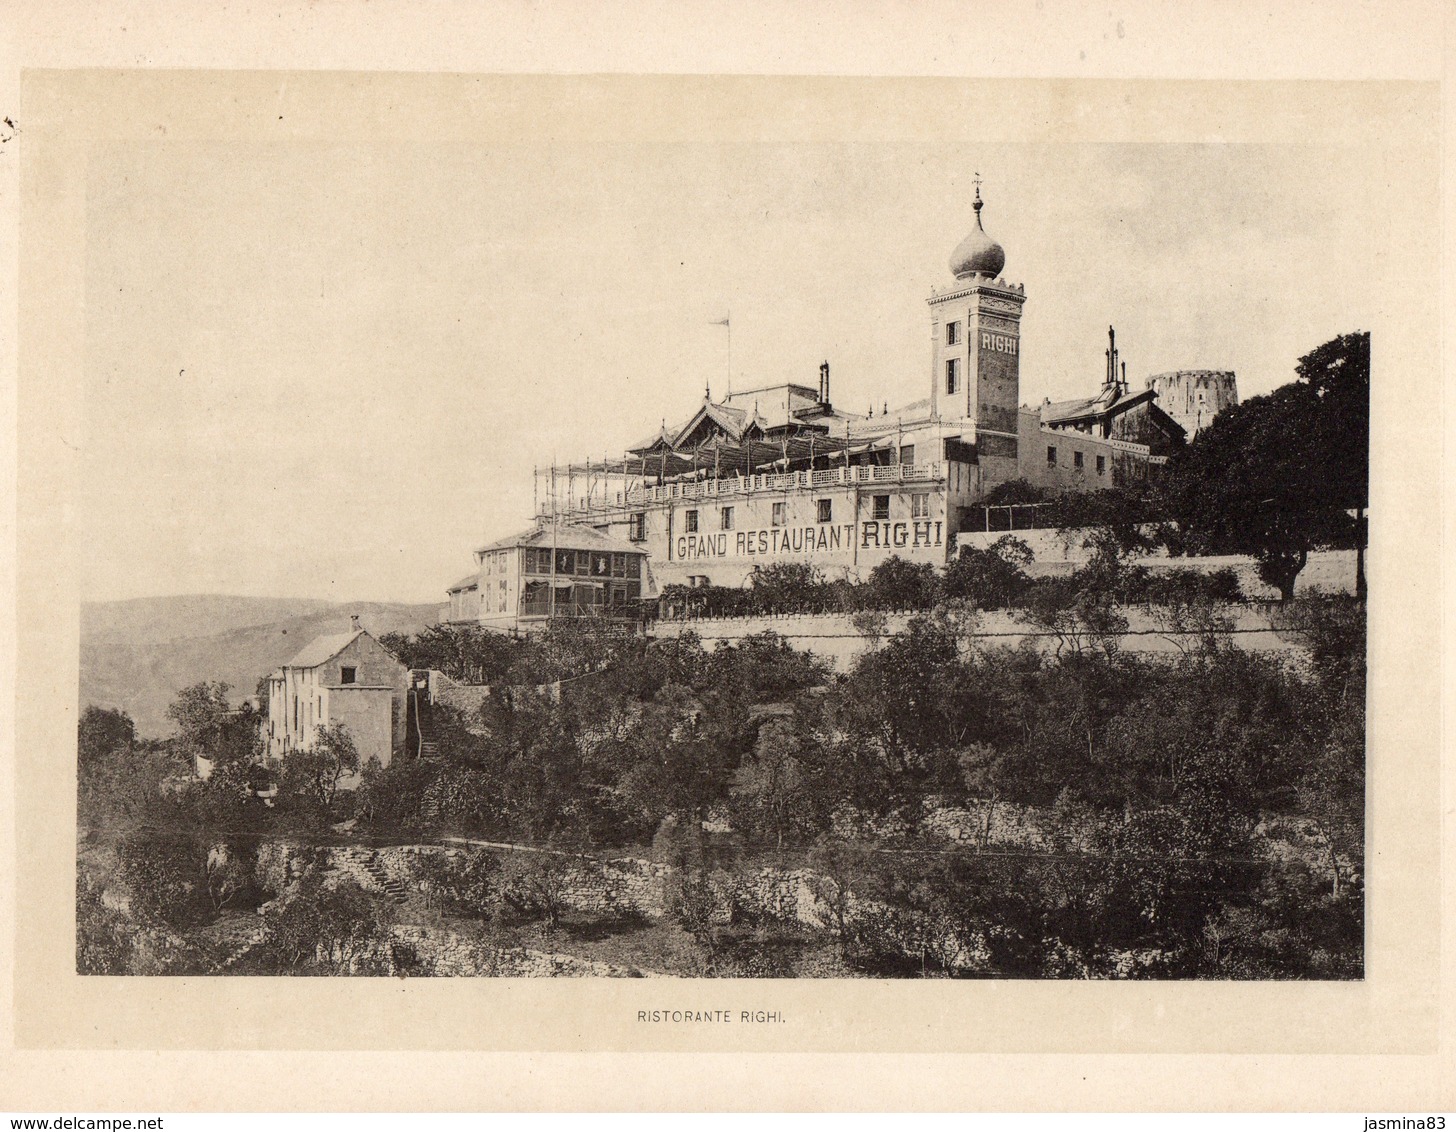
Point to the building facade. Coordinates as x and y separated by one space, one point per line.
349 679
549 571
779 473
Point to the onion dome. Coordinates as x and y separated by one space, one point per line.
978 254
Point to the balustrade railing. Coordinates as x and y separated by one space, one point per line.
753 484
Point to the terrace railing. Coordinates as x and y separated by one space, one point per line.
754 485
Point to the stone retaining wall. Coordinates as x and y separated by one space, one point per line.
834 636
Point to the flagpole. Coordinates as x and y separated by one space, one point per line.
728 324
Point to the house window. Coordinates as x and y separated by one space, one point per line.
619 565
637 526
881 507
727 519
1101 465
952 334
952 375
565 561
907 453
1076 459
1051 455
583 564
347 675
920 505
780 515
826 510
690 522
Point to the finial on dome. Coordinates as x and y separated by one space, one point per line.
978 254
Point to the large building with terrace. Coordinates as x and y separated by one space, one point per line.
779 473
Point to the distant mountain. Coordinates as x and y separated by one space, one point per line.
136 655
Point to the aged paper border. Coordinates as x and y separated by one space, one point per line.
1204 1034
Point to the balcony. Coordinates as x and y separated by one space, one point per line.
772 482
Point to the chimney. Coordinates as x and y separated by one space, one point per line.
824 384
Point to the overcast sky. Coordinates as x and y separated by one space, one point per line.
327 371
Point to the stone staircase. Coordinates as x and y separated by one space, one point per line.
363 865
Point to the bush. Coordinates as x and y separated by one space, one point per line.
166 877
898 584
338 930
1139 585
990 578
789 587
463 884
103 937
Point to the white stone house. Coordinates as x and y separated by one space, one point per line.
347 678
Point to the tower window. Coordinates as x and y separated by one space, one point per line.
637 526
920 505
347 675
1051 455
727 518
952 375
826 510
907 453
1076 459
881 507
780 515
1101 465
952 333
690 522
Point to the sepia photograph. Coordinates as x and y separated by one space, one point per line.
724 558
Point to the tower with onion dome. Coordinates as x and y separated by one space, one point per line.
975 328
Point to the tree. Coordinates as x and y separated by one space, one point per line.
102 731
316 771
1339 374
898 584
772 782
536 884
466 883
166 879
334 928
990 578
104 943
200 713
787 587
1274 477
229 875
229 739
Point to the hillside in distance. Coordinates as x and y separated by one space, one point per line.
136 655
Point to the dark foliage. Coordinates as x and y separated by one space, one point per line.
1276 476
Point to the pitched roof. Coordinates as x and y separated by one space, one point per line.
323 649
1065 412
465 583
569 536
